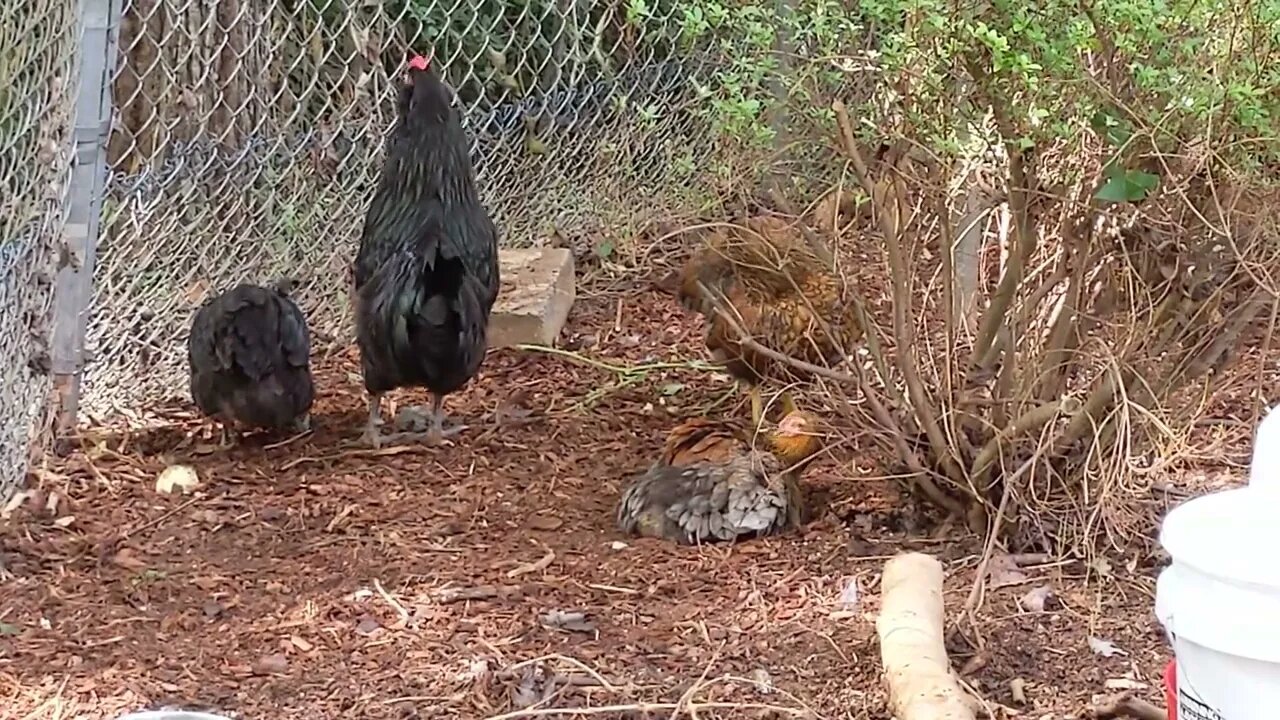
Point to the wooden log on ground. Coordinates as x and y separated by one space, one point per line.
916 669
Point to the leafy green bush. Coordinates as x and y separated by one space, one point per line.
1100 141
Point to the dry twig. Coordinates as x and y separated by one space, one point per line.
1130 707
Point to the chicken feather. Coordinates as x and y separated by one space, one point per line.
709 484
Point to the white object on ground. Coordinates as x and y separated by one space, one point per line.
913 653
177 478
1219 600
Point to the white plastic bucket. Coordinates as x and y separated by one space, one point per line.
1264 470
1219 600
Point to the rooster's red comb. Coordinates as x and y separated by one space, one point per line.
419 62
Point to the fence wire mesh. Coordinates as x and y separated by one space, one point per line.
37 95
249 134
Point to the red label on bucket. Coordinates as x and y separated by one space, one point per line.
1183 705
1190 708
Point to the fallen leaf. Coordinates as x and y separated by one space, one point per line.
14 503
1105 648
177 478
301 644
271 665
513 408
849 595
205 583
126 559
196 292
1036 598
1018 691
532 688
368 626
545 522
764 683
573 620
538 565
65 521
210 517
1003 570
477 670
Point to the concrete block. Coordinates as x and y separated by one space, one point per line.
537 292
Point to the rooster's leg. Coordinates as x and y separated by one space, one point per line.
438 432
757 405
226 435
372 435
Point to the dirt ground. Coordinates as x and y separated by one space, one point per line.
486 580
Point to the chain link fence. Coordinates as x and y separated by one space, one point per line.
37 95
248 136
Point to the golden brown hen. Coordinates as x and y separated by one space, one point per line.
710 485
773 286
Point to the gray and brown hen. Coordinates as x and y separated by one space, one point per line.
711 485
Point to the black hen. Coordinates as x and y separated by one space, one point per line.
426 274
250 359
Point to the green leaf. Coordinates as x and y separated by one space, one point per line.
1128 186
1111 128
604 250
1114 190
671 389
1144 180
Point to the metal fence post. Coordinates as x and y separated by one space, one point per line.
73 293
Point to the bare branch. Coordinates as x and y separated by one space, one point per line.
888 199
1025 424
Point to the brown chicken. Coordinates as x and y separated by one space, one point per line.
767 280
711 485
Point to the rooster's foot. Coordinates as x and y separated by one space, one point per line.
372 437
302 424
431 438
227 437
437 435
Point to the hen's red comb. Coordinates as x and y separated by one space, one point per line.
418 62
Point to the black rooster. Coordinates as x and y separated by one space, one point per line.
250 359
426 274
